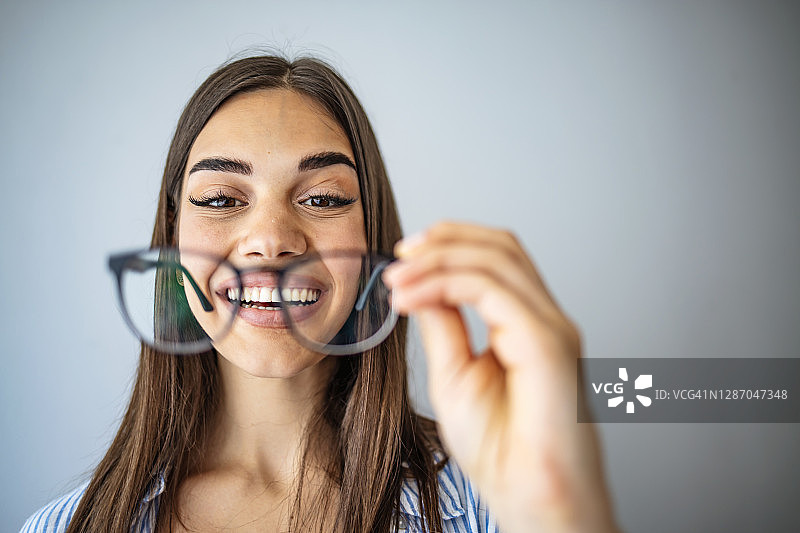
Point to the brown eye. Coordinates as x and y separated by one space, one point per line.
220 201
226 201
327 201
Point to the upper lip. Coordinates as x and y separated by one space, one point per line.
249 279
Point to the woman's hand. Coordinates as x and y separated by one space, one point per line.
507 415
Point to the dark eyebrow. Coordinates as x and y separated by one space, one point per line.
324 159
223 164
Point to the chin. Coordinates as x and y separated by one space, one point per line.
279 367
280 360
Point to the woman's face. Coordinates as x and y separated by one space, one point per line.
271 178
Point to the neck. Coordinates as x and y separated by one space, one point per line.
260 425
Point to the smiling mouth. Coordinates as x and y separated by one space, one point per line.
269 298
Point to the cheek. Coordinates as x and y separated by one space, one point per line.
197 234
342 233
351 234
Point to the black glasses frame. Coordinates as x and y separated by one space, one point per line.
133 260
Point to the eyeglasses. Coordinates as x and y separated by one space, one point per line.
183 302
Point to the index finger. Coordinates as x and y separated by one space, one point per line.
481 235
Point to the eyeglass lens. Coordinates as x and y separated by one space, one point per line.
168 301
347 308
184 302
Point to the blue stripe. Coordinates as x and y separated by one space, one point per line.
41 514
472 503
26 527
50 514
409 502
56 515
74 505
454 523
29 526
405 497
63 507
454 506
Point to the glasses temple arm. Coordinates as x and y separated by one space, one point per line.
139 264
200 296
362 300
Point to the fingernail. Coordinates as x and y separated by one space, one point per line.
407 244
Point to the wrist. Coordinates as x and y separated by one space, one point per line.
554 509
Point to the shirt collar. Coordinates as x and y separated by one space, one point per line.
450 504
155 489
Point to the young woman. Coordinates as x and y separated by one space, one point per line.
274 162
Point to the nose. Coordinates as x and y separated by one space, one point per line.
271 234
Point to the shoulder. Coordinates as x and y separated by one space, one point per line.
55 516
460 505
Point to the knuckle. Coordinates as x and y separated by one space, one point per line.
573 334
508 241
438 260
508 234
511 238
443 227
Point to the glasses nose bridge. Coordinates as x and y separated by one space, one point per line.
272 230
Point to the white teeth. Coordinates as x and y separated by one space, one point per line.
273 295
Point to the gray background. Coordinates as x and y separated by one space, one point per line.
646 153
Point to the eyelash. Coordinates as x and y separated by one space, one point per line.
334 200
208 199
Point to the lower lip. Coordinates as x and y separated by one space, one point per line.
276 317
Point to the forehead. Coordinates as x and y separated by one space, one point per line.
272 123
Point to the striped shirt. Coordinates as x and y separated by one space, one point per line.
461 508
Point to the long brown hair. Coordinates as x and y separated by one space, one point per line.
377 438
